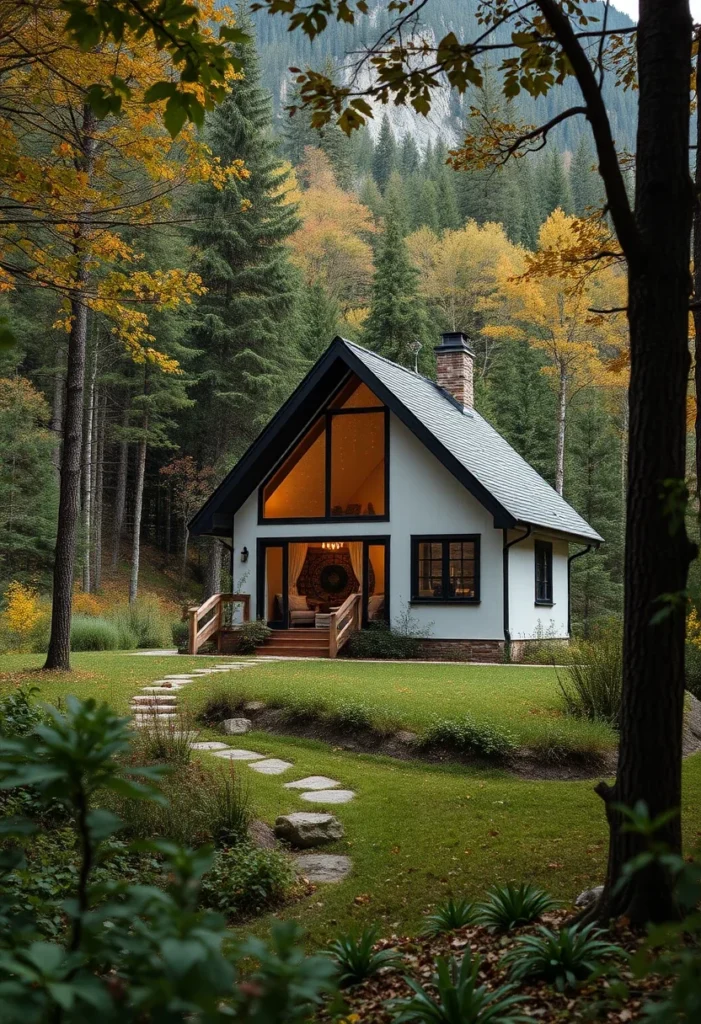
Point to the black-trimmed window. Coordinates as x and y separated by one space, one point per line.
339 469
445 568
543 572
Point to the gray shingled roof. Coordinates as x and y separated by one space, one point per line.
480 449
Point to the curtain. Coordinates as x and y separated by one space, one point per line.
295 562
355 551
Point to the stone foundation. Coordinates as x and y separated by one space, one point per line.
461 650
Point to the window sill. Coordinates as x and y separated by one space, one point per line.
544 604
445 600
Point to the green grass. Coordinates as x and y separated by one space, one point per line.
417 833
524 700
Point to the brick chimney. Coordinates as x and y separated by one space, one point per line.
455 367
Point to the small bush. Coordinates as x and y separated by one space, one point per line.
592 682
93 634
251 635
454 997
466 736
166 740
222 703
561 958
86 604
301 709
24 624
180 634
692 657
508 906
247 880
145 621
357 959
18 715
378 640
350 714
449 916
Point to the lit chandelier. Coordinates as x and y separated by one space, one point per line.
332 545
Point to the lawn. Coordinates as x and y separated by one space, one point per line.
415 832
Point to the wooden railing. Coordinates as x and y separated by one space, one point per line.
344 621
215 614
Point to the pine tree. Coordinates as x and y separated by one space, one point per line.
245 369
409 157
425 210
385 157
397 322
296 130
448 212
319 316
556 192
587 194
529 223
395 199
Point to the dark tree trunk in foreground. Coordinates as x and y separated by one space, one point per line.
658 551
59 653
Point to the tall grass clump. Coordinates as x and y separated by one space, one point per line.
165 740
89 633
222 703
592 681
145 622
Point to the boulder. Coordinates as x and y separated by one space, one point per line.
323 867
307 828
252 706
236 726
589 896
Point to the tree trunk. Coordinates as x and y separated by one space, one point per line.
561 428
87 476
697 288
56 423
59 653
658 551
138 505
212 576
120 497
186 540
99 492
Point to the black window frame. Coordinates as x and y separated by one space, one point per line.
445 539
543 597
329 414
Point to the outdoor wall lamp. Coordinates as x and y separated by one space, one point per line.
244 554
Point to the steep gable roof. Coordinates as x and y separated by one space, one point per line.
470 448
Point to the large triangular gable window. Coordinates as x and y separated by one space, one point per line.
339 469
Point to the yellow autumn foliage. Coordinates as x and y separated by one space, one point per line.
22 614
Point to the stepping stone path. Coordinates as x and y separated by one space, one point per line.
159 701
323 867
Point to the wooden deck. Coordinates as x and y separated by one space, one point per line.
219 618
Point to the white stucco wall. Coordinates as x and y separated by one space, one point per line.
424 499
527 619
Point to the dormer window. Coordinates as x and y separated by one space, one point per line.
339 469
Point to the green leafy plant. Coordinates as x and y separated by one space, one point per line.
357 959
561 958
456 998
18 714
449 916
247 879
180 634
251 635
379 640
125 952
350 714
592 682
466 736
507 906
89 633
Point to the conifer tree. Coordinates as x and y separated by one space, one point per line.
247 366
555 186
398 322
585 183
319 316
384 160
448 212
395 200
409 157
425 210
529 221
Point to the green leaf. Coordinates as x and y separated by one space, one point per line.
160 91
102 823
231 34
16 826
180 955
175 115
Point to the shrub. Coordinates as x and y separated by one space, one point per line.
449 916
166 740
692 664
508 906
357 959
229 808
304 708
561 958
18 715
86 604
592 682
144 620
92 634
251 635
222 703
246 879
378 640
350 714
545 648
22 620
179 631
466 736
455 997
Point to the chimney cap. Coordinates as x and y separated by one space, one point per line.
454 341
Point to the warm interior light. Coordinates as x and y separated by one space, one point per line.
332 545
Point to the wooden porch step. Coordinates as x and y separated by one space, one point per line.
290 651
